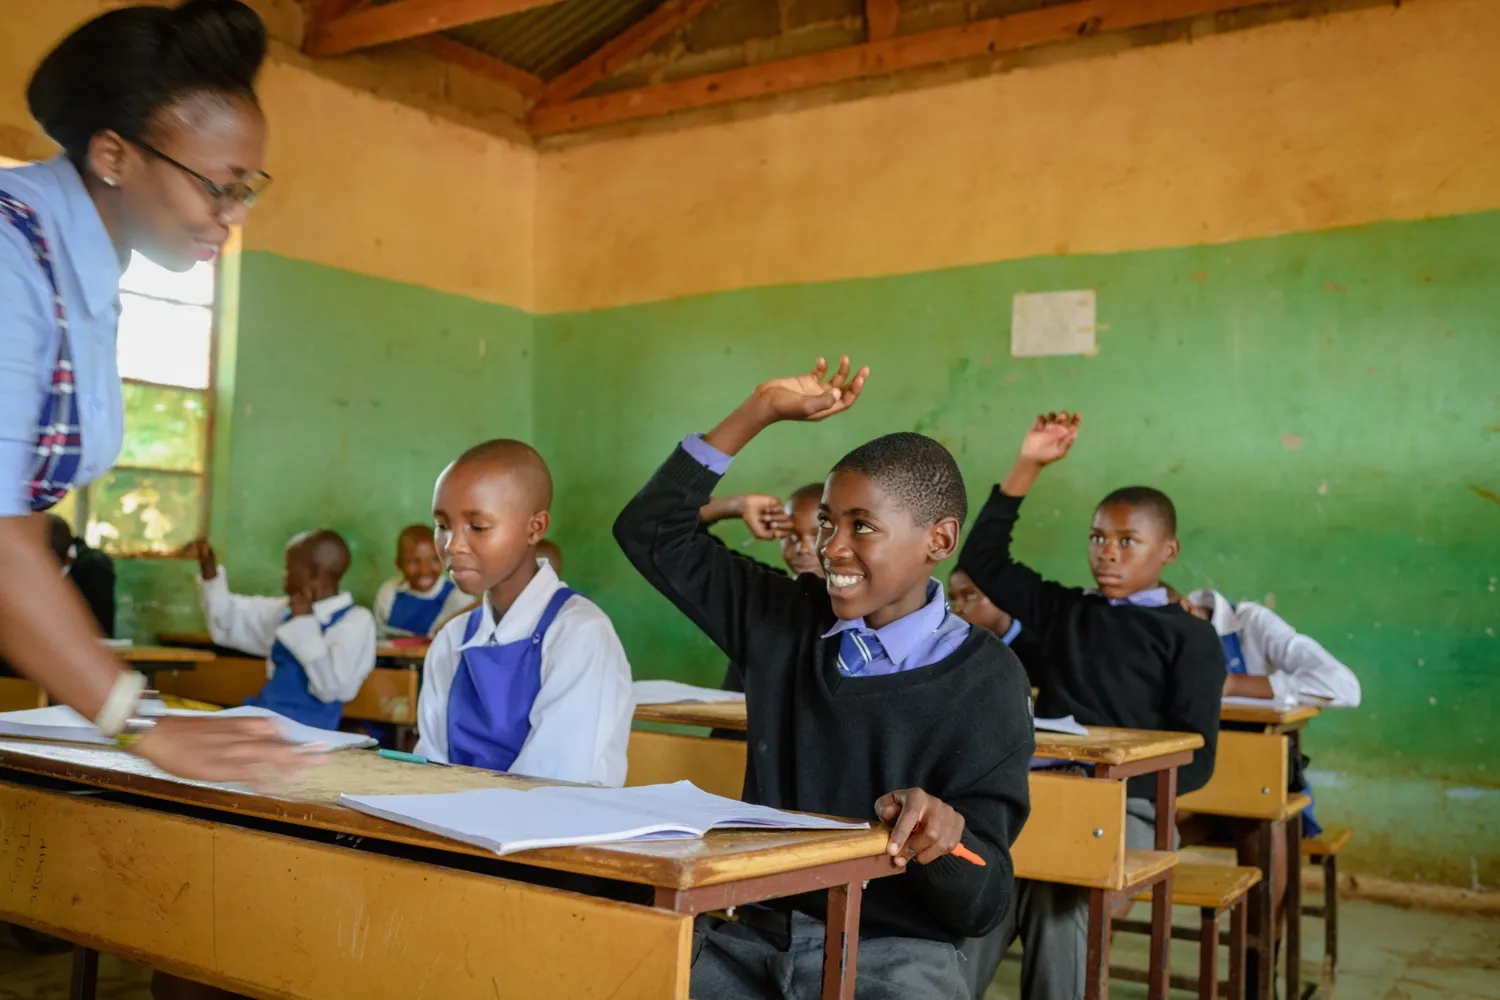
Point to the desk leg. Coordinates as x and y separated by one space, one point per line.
1161 893
841 946
1260 978
1096 967
1237 952
1166 809
1293 908
85 973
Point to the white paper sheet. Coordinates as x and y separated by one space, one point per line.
1277 704
59 722
506 820
1067 724
673 693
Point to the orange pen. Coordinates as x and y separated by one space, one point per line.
958 852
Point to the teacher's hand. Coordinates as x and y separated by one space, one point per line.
248 750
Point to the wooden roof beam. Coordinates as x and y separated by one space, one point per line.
881 19
620 50
366 27
487 66
876 58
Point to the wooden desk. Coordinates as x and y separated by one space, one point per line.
163 657
189 640
1272 720
402 655
289 914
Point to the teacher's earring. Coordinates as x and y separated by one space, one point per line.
110 181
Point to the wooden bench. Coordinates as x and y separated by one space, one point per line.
1324 849
1214 890
17 693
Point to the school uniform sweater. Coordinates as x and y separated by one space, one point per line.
959 728
1105 665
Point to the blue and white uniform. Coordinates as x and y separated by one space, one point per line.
314 663
545 691
1259 642
401 611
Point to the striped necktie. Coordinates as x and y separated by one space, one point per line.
857 651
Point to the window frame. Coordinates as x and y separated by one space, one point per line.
83 504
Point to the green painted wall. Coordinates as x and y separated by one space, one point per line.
344 395
1322 407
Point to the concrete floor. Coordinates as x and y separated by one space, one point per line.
1389 953
1386 953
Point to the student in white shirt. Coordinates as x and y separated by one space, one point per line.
319 646
533 681
1268 658
421 600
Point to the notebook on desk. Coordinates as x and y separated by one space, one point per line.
507 820
59 722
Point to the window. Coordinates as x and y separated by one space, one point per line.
154 500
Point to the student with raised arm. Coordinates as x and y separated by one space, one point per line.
864 696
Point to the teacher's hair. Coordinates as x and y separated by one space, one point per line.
117 71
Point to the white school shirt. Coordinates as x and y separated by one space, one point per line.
336 661
580 721
1298 667
385 598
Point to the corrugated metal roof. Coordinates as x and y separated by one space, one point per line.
546 41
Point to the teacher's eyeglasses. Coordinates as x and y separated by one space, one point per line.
244 192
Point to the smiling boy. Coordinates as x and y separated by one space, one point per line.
534 680
1120 654
864 697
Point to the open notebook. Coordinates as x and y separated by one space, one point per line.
58 722
674 693
1279 704
506 820
1066 724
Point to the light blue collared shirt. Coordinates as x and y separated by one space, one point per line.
88 276
919 639
1156 597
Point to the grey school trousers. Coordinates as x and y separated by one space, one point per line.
1052 921
734 962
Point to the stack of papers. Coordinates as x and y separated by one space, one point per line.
58 722
1067 724
506 820
673 693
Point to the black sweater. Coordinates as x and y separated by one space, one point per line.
960 729
1141 668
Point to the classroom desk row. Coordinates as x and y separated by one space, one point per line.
291 895
1075 834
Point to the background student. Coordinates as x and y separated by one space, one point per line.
864 697
1119 654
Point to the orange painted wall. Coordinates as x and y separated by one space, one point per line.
1384 114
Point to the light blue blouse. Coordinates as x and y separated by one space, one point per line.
88 274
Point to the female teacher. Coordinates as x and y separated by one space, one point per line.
162 141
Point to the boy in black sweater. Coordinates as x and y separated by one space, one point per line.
1123 654
865 697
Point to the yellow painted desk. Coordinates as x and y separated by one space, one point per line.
292 896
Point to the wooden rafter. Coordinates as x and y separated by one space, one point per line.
881 19
394 22
877 58
624 47
448 50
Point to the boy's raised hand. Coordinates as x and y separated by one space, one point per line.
810 396
208 560
765 516
1050 437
